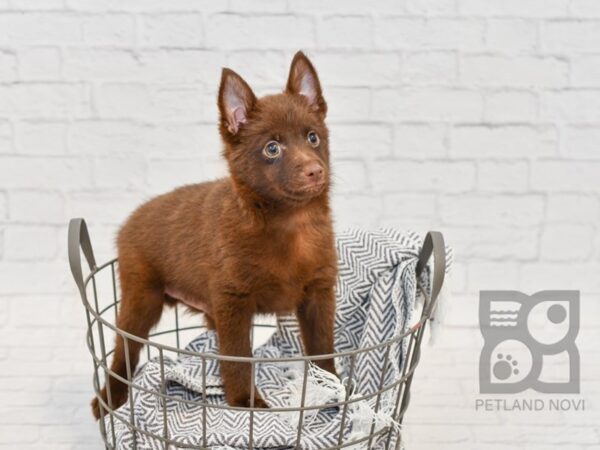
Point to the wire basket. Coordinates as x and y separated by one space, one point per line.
99 292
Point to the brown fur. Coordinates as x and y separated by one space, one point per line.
260 241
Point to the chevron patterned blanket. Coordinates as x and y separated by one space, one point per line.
376 295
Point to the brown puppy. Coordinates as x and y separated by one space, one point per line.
260 241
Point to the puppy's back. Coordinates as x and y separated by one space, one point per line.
155 232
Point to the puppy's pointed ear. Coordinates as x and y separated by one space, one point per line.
303 80
236 100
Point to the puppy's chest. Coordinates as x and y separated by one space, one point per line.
292 257
281 276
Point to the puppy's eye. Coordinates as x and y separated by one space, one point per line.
272 149
313 138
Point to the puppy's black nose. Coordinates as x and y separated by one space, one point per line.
314 172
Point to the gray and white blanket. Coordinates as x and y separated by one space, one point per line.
376 298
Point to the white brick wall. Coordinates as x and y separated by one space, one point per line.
478 118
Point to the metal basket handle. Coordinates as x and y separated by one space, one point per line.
79 238
433 244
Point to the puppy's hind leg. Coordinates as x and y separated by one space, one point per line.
141 307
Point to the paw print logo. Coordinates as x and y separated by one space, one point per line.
505 367
522 332
510 362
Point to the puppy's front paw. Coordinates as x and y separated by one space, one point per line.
245 402
259 403
328 365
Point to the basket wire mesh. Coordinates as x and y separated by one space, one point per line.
101 314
